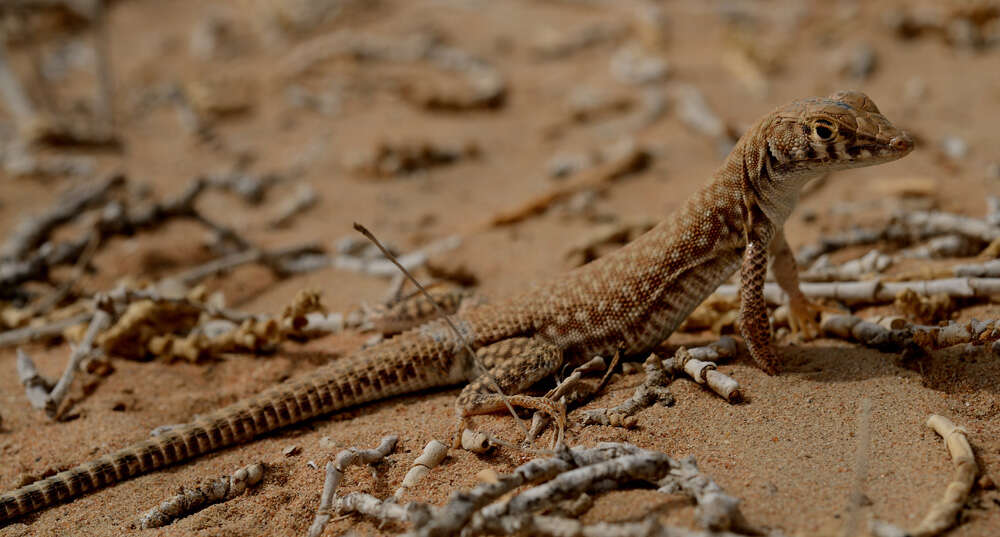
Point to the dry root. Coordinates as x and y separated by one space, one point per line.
434 453
567 480
874 291
924 309
631 159
335 473
697 363
944 513
153 325
191 500
485 87
655 388
41 393
892 334
395 159
906 229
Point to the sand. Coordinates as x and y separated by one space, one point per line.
788 451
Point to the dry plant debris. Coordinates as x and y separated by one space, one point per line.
943 514
698 363
888 335
485 86
971 25
335 473
906 228
29 255
924 309
654 389
630 158
875 291
572 474
153 325
37 387
394 159
188 501
552 44
434 452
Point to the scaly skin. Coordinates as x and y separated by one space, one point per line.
629 300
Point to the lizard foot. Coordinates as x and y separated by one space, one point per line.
802 317
479 442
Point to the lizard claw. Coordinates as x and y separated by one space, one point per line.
802 314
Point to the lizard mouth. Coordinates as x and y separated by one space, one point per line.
875 153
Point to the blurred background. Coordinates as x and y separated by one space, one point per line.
500 142
424 119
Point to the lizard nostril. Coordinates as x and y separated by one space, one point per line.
903 142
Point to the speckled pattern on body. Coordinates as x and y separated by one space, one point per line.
629 300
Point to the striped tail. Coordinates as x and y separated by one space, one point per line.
403 364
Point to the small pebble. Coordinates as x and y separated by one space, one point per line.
631 66
986 482
914 90
862 62
955 147
993 171
291 450
488 475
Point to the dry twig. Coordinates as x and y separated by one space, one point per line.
570 475
875 291
191 500
34 383
335 473
655 388
485 86
632 160
434 453
943 514
904 229
303 199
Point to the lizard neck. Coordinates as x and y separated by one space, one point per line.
750 168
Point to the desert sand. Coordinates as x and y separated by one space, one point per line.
788 451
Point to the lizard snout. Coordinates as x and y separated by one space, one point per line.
902 143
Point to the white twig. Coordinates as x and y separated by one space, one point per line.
434 453
893 333
943 514
191 500
655 388
717 510
301 200
335 473
698 364
905 228
569 475
574 389
875 291
40 333
36 386
55 397
18 103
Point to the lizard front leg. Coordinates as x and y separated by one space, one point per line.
754 327
802 312
516 364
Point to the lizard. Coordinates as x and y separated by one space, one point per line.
629 301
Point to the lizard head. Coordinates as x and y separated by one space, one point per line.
844 130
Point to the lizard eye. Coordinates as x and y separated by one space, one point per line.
824 130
